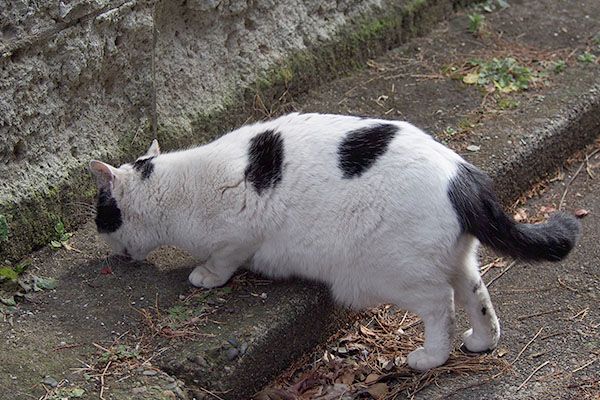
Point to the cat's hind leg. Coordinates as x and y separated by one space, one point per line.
436 309
470 291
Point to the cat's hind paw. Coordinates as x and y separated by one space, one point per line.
205 278
476 344
421 360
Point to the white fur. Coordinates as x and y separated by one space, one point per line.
388 236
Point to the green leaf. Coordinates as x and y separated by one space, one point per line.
44 283
77 392
22 266
9 273
3 228
8 301
66 236
56 244
59 227
471 78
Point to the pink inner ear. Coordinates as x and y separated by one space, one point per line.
154 149
103 173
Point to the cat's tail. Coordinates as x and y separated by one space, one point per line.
476 205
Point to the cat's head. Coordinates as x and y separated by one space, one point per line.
122 219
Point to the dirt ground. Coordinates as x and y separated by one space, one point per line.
95 335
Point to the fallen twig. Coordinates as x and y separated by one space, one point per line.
505 270
584 365
531 375
522 317
562 199
527 345
67 346
102 380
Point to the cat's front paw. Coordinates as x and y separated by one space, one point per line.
203 277
421 360
478 344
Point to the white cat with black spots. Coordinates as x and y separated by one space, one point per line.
378 210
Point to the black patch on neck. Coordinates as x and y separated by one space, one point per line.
108 215
144 166
265 160
362 147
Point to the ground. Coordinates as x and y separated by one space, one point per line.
120 330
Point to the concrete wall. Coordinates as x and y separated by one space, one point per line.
82 79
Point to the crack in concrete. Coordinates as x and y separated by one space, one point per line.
9 49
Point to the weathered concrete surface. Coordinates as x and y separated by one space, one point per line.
89 79
89 307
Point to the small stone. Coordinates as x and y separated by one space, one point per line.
149 372
243 348
180 393
139 390
232 354
169 394
473 147
201 361
48 380
171 386
234 342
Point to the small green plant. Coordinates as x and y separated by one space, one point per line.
587 57
505 75
62 236
3 228
13 272
596 40
63 394
492 5
15 283
120 353
505 104
559 66
475 22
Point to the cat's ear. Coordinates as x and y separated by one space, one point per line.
105 174
153 150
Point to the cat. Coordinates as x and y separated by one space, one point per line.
378 210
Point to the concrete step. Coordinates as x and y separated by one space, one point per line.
238 338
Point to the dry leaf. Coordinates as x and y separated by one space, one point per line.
502 353
378 390
520 215
347 378
548 209
580 213
366 331
371 378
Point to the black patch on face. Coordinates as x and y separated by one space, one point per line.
362 147
484 311
108 215
265 160
477 286
144 166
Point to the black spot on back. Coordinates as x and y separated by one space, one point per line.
108 215
362 147
483 310
144 166
265 160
